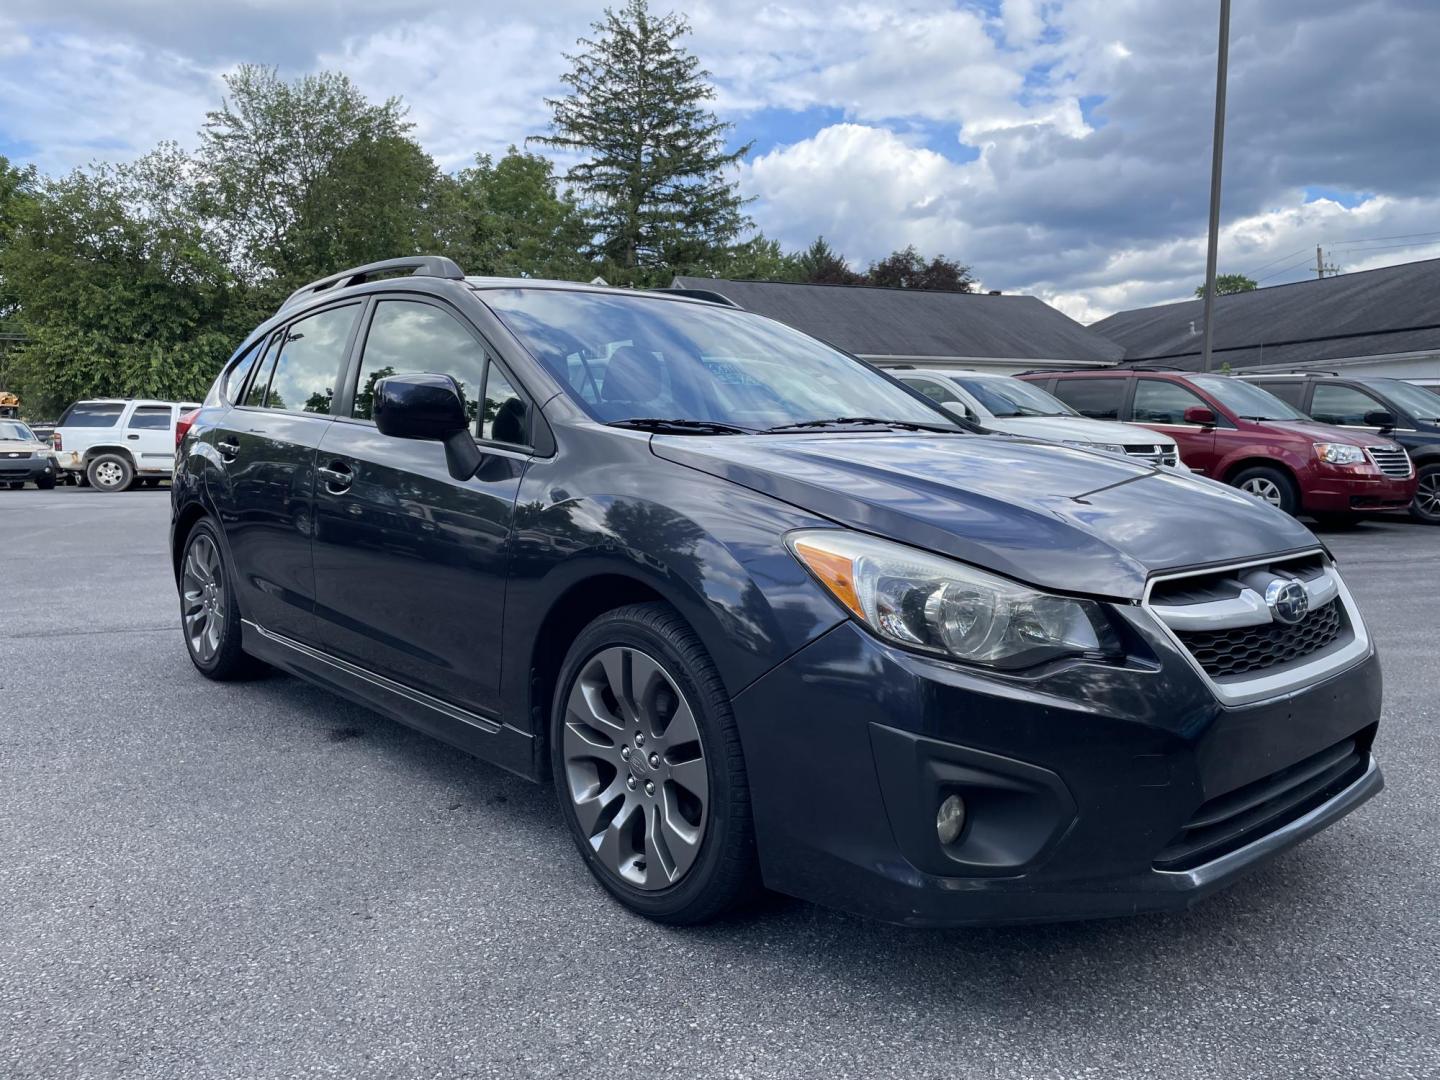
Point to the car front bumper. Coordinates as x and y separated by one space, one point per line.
1326 494
1077 784
16 470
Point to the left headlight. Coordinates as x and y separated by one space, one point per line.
1339 453
937 605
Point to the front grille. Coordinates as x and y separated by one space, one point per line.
1253 648
1391 460
1236 818
1154 453
12 455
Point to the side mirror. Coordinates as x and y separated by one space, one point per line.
426 406
1198 414
1385 421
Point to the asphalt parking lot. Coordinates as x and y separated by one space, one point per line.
256 880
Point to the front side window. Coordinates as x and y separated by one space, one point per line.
1160 402
625 357
150 418
1099 399
92 414
406 337
307 363
1343 405
1246 400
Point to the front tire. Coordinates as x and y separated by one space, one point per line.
209 615
45 483
1269 485
1426 505
648 768
110 472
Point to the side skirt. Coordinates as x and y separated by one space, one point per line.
485 738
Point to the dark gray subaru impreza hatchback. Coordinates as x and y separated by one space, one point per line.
765 615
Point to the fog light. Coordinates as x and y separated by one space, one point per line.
950 819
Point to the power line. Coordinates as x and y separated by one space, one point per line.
1368 239
1272 262
1286 269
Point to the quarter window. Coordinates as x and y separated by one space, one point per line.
1098 399
1343 405
307 362
1161 402
406 337
504 410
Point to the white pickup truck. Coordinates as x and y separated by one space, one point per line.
112 443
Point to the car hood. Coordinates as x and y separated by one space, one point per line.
1076 429
1317 432
1058 517
10 446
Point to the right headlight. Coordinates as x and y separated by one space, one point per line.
1105 447
938 605
1339 453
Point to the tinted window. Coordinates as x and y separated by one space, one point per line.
92 415
235 380
1289 391
628 357
505 419
150 417
934 391
406 337
1343 405
308 364
1098 399
1161 402
255 396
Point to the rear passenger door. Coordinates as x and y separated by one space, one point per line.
1160 404
264 475
410 563
148 437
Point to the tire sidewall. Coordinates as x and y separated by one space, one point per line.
1431 469
617 629
127 470
232 611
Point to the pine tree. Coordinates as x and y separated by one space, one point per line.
820 264
655 181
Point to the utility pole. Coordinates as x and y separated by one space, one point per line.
1218 148
1321 266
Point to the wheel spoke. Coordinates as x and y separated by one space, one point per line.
679 837
587 706
693 777
615 663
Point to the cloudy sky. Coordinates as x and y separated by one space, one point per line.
1061 147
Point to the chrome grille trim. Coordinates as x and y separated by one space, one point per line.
1282 679
1154 453
1392 461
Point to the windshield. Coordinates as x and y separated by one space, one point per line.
1011 397
626 357
1246 400
13 429
1420 403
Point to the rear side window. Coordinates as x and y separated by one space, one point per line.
1098 399
307 363
1160 402
1289 391
88 414
150 418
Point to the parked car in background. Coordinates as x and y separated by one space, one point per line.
1360 404
1005 403
1235 432
760 612
24 458
113 443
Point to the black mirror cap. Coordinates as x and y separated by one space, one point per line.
428 406
1380 419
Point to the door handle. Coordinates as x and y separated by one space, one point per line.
132 436
338 477
228 449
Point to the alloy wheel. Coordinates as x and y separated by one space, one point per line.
1264 490
108 474
203 591
635 768
1427 495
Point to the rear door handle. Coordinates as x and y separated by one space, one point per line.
338 477
132 436
228 449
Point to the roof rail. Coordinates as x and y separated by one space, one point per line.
419 265
709 295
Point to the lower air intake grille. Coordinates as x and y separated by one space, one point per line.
1238 817
1254 648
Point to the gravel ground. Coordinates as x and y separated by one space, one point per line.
259 881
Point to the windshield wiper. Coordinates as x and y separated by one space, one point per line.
867 421
680 426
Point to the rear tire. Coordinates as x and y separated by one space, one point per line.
1426 505
649 770
1269 485
209 613
110 472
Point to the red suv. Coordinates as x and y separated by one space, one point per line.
1234 431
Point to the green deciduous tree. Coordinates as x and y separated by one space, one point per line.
1228 283
655 177
907 269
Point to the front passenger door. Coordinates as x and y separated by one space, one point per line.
410 563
